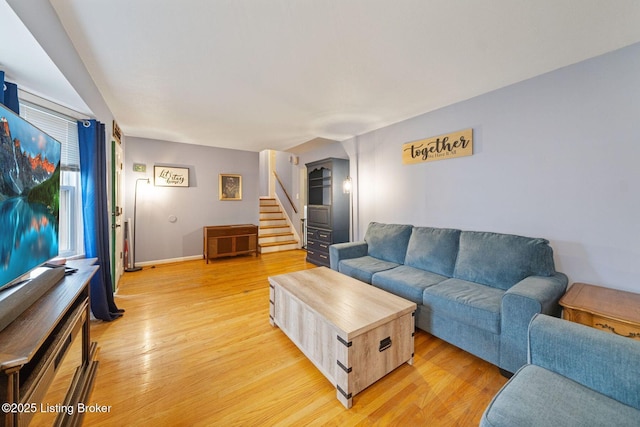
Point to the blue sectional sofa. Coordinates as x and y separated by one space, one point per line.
476 290
576 376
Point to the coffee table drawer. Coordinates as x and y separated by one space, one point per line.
372 355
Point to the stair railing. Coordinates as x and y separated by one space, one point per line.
285 192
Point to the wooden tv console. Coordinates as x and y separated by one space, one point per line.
35 345
229 240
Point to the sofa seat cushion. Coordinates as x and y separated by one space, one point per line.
535 396
363 268
433 249
388 241
406 282
469 303
502 260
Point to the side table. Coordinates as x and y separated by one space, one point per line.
611 310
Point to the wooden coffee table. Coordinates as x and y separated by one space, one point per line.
354 333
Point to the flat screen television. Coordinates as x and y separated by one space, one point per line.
29 197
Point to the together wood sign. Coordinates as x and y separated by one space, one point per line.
448 146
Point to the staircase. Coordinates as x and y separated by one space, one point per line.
274 232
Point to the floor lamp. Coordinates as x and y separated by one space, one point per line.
135 225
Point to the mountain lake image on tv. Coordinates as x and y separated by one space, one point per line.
29 197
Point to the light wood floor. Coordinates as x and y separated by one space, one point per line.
195 348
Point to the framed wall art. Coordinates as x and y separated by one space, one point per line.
230 187
165 176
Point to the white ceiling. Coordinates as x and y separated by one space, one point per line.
273 74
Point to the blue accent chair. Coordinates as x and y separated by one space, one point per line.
576 376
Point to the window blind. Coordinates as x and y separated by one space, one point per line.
62 128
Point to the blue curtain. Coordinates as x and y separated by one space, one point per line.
93 178
9 94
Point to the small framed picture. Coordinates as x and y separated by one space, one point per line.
230 187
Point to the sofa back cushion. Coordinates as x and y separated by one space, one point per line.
433 249
388 241
502 260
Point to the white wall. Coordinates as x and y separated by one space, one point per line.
196 206
264 173
555 156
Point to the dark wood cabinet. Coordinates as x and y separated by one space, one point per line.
229 240
327 208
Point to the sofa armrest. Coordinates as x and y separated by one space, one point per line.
599 360
534 294
340 251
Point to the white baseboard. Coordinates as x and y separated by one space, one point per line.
168 261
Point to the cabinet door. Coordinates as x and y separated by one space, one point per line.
319 216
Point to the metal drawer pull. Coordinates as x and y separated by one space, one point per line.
385 344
